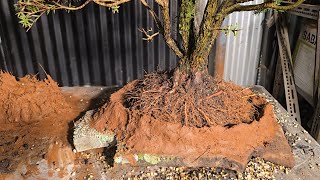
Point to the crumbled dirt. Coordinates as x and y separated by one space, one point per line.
36 120
216 120
28 99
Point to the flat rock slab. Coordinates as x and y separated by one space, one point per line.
86 138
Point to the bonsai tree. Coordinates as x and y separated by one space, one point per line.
188 95
197 38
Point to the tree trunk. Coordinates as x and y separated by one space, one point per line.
198 60
199 57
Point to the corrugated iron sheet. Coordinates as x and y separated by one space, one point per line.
88 47
96 47
243 51
2 57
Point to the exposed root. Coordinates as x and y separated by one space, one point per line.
214 94
197 105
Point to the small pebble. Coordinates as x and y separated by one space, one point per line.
311 166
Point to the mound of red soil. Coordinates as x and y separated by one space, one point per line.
29 99
238 124
36 117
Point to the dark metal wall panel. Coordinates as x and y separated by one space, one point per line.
88 47
3 60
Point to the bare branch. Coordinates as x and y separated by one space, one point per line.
243 1
110 3
153 14
146 33
60 6
29 11
166 31
263 6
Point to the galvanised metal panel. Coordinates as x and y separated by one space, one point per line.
88 47
242 51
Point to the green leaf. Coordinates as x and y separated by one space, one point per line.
278 2
115 9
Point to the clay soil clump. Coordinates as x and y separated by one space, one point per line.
29 99
36 118
213 120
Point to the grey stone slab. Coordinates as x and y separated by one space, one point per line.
86 138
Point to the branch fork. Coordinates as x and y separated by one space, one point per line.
148 37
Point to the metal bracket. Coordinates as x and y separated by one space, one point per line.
286 63
305 10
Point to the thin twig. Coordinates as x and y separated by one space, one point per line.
208 147
148 37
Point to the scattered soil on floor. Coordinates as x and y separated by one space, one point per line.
215 119
36 120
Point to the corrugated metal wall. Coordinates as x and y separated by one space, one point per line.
242 51
95 47
2 57
88 47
